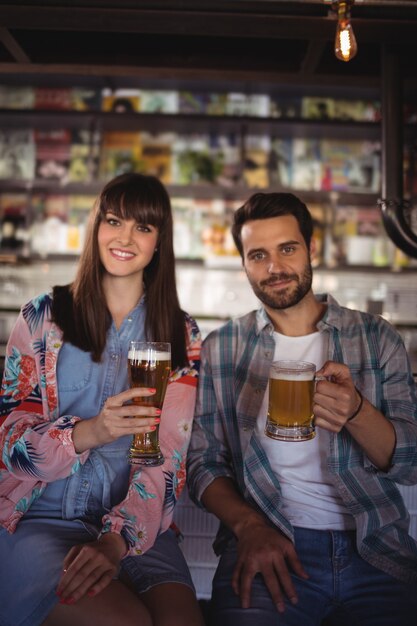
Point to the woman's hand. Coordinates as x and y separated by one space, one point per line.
89 568
117 418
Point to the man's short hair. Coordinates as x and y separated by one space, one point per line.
261 206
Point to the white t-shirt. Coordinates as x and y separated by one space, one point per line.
309 498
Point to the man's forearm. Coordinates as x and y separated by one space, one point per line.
223 500
375 434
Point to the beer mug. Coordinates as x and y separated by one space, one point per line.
149 366
290 405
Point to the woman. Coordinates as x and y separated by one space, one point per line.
87 537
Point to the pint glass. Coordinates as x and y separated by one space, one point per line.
149 366
290 406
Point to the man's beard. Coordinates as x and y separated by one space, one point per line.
284 298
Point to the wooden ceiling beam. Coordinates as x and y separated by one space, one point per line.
169 22
179 74
312 57
213 23
13 47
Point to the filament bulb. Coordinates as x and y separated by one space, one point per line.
345 47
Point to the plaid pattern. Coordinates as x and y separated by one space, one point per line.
233 379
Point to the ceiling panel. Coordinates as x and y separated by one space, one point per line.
234 41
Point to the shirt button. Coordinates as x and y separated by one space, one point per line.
85 483
114 357
129 319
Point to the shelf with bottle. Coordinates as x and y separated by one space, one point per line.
232 141
282 110
203 190
228 165
227 157
188 112
51 226
189 123
325 151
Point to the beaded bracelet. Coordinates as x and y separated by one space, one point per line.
359 407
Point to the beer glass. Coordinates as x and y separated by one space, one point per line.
290 406
149 365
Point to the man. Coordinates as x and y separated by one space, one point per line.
313 530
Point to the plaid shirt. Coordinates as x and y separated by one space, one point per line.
233 379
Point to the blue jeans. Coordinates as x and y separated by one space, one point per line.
343 589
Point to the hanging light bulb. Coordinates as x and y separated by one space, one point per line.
345 46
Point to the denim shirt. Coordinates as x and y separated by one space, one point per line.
82 391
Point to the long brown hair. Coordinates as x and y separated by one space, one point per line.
144 199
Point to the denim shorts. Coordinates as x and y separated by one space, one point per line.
342 589
31 565
163 563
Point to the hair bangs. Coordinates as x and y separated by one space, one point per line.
144 203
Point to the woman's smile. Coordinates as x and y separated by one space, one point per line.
122 255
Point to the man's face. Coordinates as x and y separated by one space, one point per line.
277 261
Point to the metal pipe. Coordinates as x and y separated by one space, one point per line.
392 126
392 204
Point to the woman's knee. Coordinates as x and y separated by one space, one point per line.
173 604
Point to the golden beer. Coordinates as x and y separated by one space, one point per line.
290 405
149 366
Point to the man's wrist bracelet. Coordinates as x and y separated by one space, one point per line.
359 407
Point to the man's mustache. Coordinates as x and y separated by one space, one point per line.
274 277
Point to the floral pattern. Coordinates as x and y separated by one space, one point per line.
36 444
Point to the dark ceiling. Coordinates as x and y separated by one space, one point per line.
271 42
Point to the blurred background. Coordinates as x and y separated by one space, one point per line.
220 100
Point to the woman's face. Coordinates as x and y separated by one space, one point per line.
126 247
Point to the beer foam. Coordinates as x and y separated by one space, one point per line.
294 376
144 355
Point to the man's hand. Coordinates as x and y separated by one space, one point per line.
336 398
264 550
